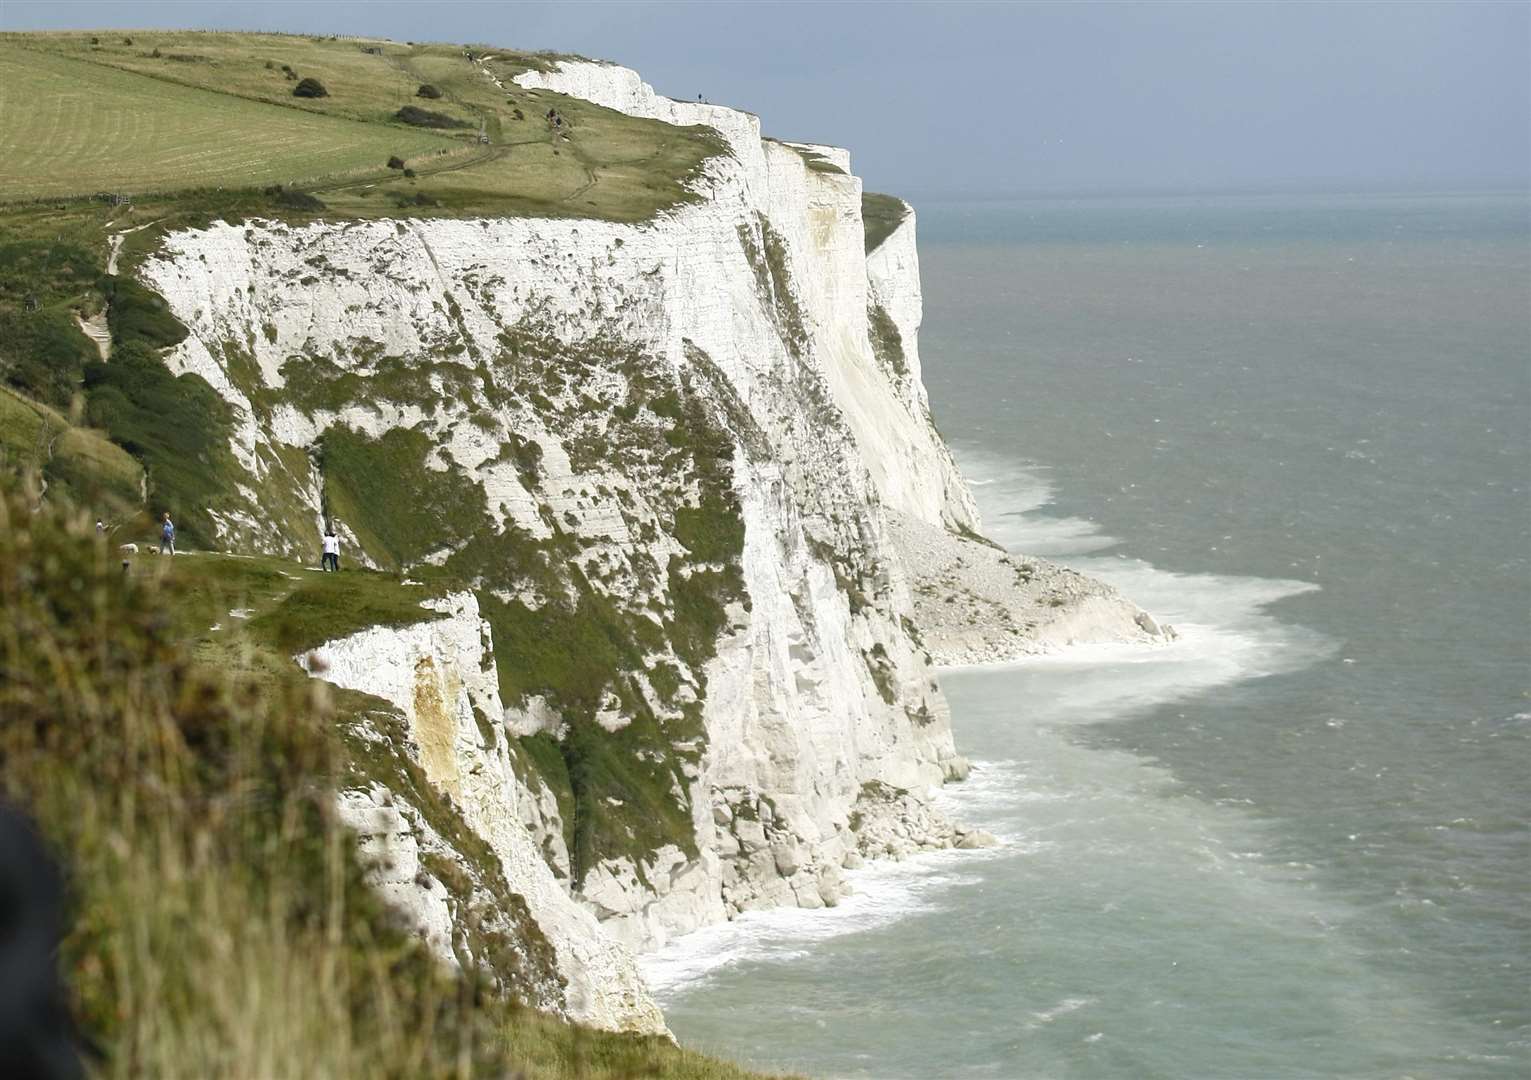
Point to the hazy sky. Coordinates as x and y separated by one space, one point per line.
991 98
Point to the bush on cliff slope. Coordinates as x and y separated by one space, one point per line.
418 117
177 426
42 348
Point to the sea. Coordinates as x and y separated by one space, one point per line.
1297 842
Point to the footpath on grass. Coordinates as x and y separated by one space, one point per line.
232 606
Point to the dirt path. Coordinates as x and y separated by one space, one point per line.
496 150
96 328
114 243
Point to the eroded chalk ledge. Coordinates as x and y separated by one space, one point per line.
976 603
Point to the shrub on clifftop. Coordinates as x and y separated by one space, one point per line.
293 199
310 88
418 117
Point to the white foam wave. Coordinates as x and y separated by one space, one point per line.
882 893
1009 496
1226 633
1063 1008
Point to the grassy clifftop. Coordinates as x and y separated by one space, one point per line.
73 127
160 113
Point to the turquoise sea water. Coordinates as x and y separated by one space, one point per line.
1297 843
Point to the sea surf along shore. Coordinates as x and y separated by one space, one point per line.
963 932
1291 842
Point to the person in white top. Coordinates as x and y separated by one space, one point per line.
331 559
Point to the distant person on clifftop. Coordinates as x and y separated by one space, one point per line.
330 560
167 535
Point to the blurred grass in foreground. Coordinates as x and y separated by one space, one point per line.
219 923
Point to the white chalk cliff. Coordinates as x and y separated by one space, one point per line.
562 370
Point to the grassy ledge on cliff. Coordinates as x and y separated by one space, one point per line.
880 215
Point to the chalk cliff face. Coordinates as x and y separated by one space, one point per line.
817 210
680 679
441 677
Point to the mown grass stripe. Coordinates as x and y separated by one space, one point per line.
68 127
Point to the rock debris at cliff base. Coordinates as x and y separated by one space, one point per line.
975 603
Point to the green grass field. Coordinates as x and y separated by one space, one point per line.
368 79
362 85
69 127
153 114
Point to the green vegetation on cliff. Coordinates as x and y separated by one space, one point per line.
887 343
400 508
815 161
46 282
880 215
586 649
767 255
93 471
176 427
186 776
